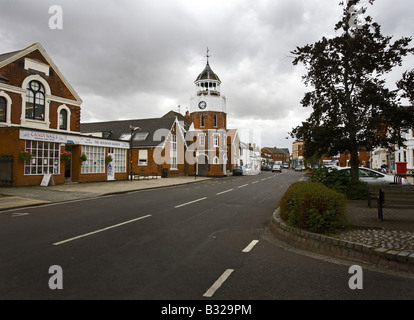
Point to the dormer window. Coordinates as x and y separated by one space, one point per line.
35 101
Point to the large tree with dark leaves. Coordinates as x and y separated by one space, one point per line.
352 105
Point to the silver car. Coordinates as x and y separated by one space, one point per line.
277 167
373 177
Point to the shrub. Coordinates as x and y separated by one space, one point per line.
314 207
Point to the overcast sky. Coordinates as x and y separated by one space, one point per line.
139 58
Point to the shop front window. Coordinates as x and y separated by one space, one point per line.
120 160
45 158
95 162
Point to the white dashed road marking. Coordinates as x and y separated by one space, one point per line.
250 246
209 293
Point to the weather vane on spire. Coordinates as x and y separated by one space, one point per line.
208 56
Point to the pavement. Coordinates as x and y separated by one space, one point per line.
395 232
17 197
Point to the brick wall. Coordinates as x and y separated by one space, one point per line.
12 145
16 73
195 118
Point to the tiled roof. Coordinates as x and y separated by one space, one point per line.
180 117
4 56
275 150
115 129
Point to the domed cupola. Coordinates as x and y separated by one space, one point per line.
207 100
207 74
207 81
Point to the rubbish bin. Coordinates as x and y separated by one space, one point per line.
164 173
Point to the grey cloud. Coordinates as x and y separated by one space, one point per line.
140 58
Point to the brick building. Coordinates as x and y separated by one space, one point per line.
340 160
41 136
298 147
343 159
198 143
40 122
213 144
158 145
272 155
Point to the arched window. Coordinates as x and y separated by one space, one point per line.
3 109
215 160
215 120
63 119
202 120
35 101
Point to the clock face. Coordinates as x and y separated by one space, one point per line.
202 104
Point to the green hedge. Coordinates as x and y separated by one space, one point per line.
340 181
314 207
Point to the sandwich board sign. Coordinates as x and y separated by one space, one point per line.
47 180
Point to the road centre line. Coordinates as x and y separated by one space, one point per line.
250 246
184 204
223 192
255 181
243 185
209 293
100 230
264 179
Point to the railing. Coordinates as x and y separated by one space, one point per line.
399 176
210 92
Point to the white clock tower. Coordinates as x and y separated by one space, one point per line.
209 119
208 105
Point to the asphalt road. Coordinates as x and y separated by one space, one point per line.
203 241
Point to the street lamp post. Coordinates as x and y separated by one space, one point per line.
195 158
130 150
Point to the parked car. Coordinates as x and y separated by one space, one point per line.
238 171
285 166
373 177
277 168
298 168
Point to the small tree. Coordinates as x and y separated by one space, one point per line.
352 107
